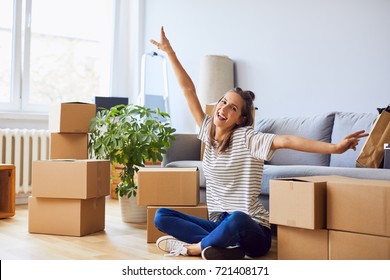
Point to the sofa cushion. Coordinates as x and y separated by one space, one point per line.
316 128
344 124
186 146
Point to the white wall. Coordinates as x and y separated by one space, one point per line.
300 57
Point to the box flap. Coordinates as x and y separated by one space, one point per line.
63 160
314 179
78 102
71 160
301 179
168 169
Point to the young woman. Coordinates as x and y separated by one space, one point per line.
233 164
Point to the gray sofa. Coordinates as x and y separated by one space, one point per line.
331 127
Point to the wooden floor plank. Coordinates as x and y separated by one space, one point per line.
119 241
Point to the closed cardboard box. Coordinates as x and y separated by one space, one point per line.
74 217
298 202
168 186
79 179
153 233
358 205
356 246
73 117
69 146
302 244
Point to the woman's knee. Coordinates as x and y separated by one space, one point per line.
160 216
239 219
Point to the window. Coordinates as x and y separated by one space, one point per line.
53 51
5 50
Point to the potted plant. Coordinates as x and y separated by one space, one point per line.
129 135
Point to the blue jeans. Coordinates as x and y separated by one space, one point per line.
236 228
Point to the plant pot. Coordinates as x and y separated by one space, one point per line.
131 211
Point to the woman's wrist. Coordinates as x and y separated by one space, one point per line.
171 52
334 148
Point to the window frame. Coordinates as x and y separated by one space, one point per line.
20 63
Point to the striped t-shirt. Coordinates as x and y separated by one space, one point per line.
233 178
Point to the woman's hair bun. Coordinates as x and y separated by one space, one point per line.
243 92
251 94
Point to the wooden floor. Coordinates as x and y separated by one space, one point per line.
119 241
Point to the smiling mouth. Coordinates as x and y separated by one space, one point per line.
221 117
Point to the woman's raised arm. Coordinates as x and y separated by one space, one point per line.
183 78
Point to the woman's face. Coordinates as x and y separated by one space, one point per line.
228 111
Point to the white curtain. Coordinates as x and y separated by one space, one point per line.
127 48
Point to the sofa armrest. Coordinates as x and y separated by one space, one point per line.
184 147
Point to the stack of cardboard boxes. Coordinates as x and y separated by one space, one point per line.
174 188
331 217
68 126
68 191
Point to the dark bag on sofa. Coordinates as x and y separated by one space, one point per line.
372 152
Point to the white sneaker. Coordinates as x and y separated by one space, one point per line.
173 246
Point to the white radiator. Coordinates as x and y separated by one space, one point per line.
21 147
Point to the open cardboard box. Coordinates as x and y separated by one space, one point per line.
298 202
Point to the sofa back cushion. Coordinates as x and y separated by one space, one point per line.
317 127
344 124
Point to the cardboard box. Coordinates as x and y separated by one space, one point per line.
153 233
358 205
73 117
79 179
302 244
69 146
7 190
74 217
298 202
168 186
355 246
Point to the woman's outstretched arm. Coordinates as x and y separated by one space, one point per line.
183 78
306 145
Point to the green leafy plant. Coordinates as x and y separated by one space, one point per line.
130 135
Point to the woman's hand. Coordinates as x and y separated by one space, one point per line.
164 44
350 142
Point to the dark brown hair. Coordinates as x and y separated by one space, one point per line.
246 112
